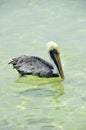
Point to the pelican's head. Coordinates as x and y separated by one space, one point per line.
55 55
52 45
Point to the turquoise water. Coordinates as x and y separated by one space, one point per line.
29 103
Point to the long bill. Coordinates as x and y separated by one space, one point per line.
59 65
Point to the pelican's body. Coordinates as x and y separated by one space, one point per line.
37 66
33 65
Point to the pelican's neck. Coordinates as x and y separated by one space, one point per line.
55 70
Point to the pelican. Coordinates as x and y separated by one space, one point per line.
32 65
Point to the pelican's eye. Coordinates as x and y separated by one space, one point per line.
54 51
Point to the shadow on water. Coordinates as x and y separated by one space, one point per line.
38 81
42 87
43 95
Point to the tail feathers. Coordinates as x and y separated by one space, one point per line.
13 62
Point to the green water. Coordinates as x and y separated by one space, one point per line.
29 103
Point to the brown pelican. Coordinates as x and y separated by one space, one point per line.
33 65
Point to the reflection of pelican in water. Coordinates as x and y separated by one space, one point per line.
37 66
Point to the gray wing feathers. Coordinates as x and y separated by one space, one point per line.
32 65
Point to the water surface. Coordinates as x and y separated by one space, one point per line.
29 103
